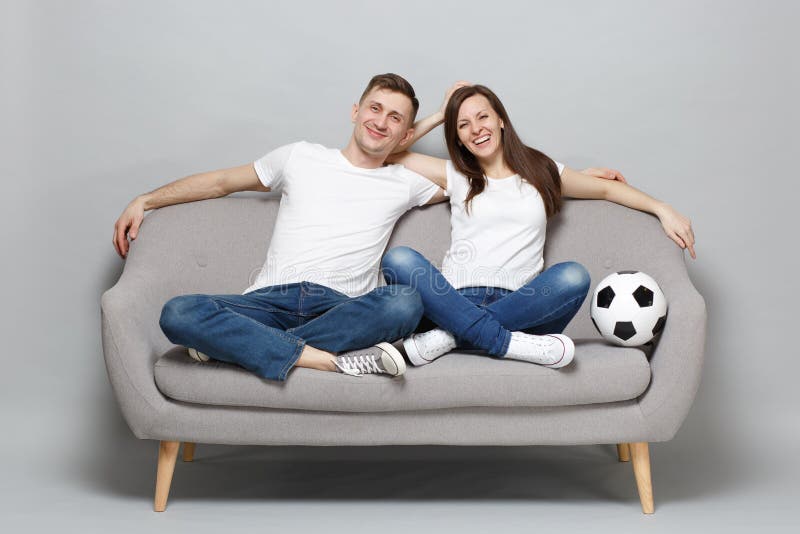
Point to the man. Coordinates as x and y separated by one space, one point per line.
316 297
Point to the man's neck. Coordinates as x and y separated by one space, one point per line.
358 158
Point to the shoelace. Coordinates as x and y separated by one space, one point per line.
358 365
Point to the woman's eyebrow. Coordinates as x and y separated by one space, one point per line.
476 114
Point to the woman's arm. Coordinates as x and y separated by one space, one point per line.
434 169
676 226
423 126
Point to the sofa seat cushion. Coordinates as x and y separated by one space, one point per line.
600 373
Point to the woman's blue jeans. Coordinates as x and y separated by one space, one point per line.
265 330
484 317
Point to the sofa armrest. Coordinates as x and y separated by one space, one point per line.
676 363
131 345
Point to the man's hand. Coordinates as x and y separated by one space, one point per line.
608 174
128 225
458 85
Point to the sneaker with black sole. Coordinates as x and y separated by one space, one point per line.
382 358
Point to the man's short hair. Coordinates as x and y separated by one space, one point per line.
396 83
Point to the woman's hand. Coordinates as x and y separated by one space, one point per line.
677 227
608 174
458 85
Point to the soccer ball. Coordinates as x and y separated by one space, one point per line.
628 308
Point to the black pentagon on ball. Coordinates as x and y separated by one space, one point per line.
627 272
644 296
659 324
604 297
624 330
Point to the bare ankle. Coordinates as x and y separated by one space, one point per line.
314 358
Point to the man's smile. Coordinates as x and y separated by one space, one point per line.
374 133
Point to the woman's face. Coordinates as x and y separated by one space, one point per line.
479 127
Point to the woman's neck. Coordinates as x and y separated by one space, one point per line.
496 167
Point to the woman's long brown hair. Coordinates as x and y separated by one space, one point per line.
533 166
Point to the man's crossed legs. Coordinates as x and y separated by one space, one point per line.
272 329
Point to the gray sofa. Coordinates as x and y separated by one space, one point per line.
609 395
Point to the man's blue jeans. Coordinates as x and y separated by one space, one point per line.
265 330
484 317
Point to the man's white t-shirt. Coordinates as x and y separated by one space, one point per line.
500 243
334 219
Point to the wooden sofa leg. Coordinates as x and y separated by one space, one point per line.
167 455
640 453
623 452
188 451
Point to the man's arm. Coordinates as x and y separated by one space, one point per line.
202 186
437 197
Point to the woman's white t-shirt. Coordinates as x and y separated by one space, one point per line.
500 243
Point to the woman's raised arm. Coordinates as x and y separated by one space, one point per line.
676 226
425 125
434 169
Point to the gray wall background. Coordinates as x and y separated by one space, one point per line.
695 101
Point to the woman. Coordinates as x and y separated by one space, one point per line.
492 293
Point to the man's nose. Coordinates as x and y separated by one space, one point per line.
380 121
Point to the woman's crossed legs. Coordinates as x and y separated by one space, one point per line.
495 320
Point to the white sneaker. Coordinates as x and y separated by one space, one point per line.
423 348
381 358
198 356
549 350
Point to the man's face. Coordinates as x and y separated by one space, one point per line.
382 121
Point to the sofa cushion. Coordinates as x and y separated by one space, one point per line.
600 373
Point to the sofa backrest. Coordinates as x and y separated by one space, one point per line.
218 246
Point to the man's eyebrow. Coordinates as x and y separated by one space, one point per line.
376 103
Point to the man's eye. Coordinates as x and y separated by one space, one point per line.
395 118
374 108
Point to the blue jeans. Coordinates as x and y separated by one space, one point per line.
265 330
484 317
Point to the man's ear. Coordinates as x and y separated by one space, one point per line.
407 137
354 113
